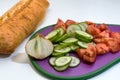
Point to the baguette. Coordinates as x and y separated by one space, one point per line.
19 22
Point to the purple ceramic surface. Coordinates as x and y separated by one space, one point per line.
83 68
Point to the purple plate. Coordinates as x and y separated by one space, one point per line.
83 71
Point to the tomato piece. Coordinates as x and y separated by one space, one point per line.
69 22
90 55
81 52
91 29
59 24
101 48
103 27
114 45
89 59
103 34
91 23
115 35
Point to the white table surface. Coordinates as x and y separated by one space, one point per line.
99 11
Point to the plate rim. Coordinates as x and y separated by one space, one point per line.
83 77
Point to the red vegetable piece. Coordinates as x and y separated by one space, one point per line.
93 30
103 27
102 48
69 22
60 24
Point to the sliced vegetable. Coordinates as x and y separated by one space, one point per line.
52 35
60 24
75 61
58 54
63 50
73 47
61 68
55 34
70 40
69 22
62 61
65 36
83 36
83 26
39 47
60 46
82 44
61 31
52 61
67 54
72 28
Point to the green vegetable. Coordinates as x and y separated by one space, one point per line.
73 47
65 36
55 34
70 40
52 35
72 28
63 50
58 54
52 61
61 68
82 44
62 61
83 26
83 36
75 61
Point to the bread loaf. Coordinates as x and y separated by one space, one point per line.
19 22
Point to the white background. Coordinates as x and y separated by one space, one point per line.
107 11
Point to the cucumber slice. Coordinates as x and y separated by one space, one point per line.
83 36
82 44
62 68
70 40
52 61
64 44
52 34
73 47
55 45
62 50
60 46
65 36
61 31
58 54
62 61
67 54
75 62
72 28
83 26
55 34
60 34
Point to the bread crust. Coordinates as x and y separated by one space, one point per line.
19 22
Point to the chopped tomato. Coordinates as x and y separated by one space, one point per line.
101 40
102 48
103 27
114 45
115 35
91 51
91 23
91 29
69 22
88 55
89 59
103 34
59 24
80 52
